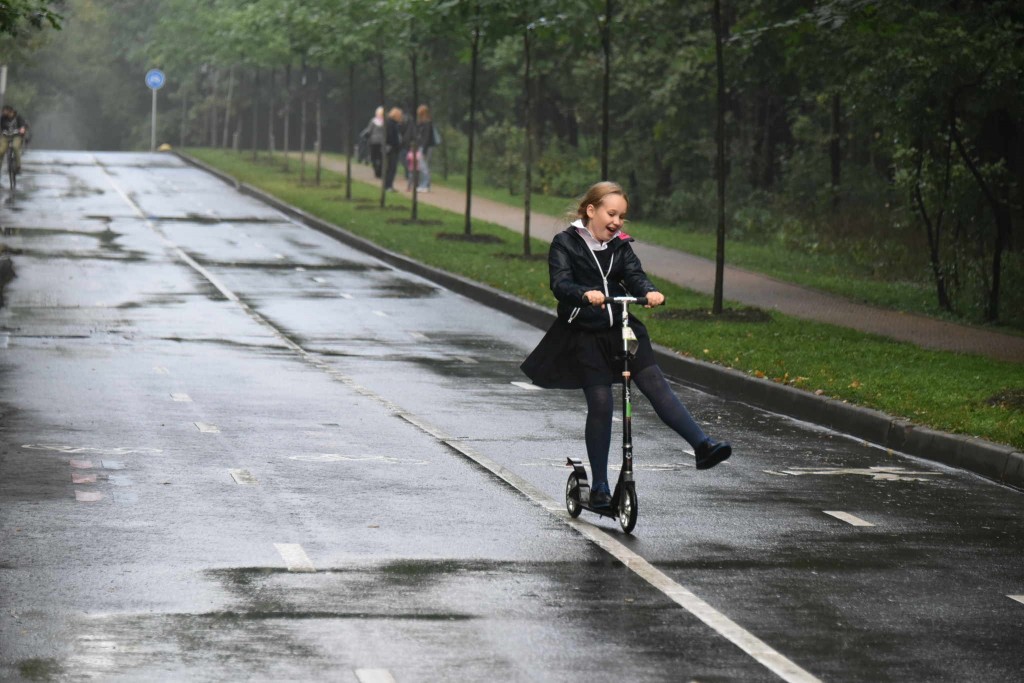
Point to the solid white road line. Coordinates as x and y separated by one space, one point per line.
294 557
1018 598
848 518
526 385
182 398
374 676
207 428
721 624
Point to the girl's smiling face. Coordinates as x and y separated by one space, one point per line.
606 218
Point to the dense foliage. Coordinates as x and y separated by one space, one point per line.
888 132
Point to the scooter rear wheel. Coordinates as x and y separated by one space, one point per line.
628 509
572 496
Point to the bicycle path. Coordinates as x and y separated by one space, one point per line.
743 286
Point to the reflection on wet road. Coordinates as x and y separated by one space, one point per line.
232 448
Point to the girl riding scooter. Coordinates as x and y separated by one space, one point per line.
590 260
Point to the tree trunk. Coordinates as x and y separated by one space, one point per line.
934 231
1001 215
287 112
414 167
606 47
474 59
255 111
835 148
212 119
528 147
227 106
271 114
302 124
319 123
720 160
350 97
184 118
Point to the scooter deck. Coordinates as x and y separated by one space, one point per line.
612 510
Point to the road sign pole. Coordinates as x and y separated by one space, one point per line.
152 137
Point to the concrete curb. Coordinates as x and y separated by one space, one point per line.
997 462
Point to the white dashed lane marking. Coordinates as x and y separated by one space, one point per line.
848 518
1018 598
374 676
182 398
161 370
207 428
294 557
243 477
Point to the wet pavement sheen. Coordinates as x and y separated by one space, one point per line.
230 450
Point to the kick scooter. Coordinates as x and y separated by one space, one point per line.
623 505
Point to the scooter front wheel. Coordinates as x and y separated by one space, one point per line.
628 508
572 496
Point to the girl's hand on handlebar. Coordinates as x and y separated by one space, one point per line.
594 297
654 299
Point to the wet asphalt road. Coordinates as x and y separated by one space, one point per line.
234 449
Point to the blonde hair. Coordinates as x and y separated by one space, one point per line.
422 113
395 114
595 195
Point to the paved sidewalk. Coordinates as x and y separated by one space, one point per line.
743 286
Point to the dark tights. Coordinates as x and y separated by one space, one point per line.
601 407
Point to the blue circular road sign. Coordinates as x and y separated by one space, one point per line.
155 79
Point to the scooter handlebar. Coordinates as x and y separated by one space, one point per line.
638 300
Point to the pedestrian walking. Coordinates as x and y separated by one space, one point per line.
374 135
393 145
425 139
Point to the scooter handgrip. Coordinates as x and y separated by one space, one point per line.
641 300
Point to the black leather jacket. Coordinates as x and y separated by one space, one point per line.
574 269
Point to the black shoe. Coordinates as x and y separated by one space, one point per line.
600 496
711 452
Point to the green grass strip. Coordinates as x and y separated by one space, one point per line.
956 393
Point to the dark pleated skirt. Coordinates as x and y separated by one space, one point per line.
572 358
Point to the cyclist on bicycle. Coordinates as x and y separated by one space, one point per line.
13 128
